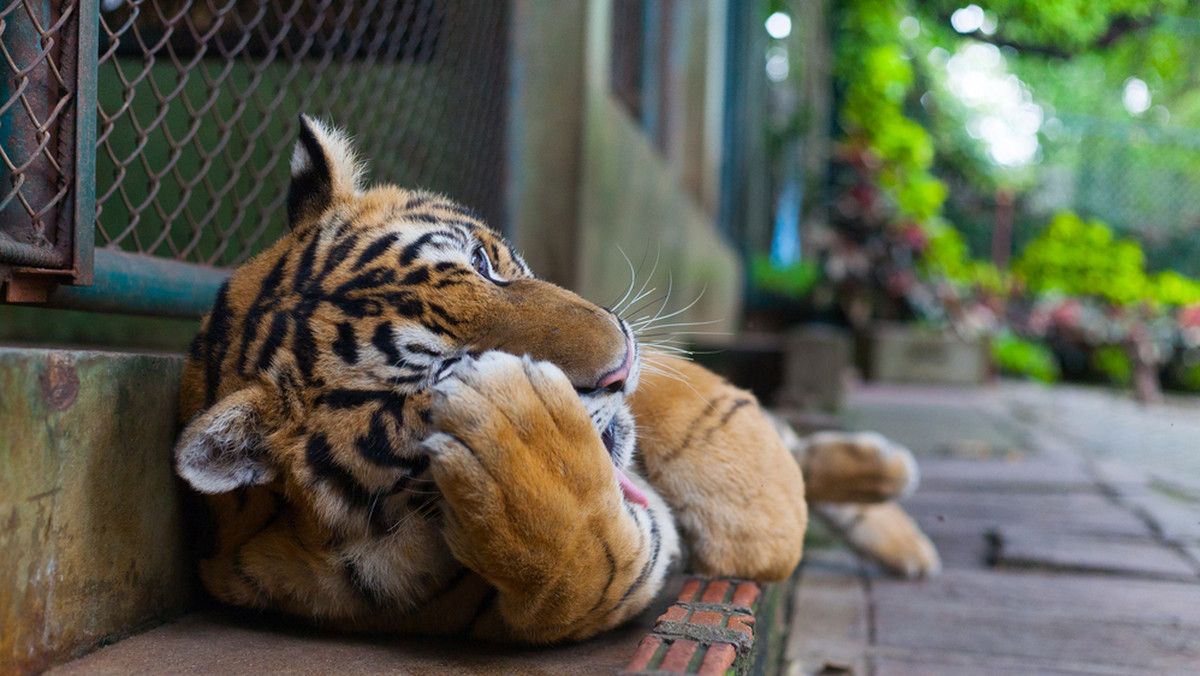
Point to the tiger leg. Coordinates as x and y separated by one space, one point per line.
534 506
852 481
710 451
882 532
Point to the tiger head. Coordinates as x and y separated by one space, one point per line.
311 374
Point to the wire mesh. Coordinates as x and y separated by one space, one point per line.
198 105
36 119
1143 180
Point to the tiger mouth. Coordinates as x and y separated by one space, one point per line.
609 436
628 488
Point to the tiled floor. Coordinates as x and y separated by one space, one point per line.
1050 565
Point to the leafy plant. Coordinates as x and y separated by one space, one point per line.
792 281
1080 257
1029 359
1114 363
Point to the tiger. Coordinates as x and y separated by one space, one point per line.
398 427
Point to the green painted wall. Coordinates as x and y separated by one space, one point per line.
635 199
91 543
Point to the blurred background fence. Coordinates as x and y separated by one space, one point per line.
1141 179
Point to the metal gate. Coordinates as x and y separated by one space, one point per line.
144 143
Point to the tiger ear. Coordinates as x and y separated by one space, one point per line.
325 170
223 448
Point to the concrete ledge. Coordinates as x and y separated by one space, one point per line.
91 544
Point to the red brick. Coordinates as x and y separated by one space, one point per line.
688 593
746 594
717 660
715 592
678 657
645 652
742 623
707 618
674 614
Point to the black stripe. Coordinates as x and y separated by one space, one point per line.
415 203
406 304
384 341
304 268
417 277
376 448
346 345
371 279
343 399
271 343
376 249
304 346
655 550
337 253
319 454
416 348
216 340
413 250
262 303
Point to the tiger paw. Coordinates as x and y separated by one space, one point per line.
855 467
886 534
532 497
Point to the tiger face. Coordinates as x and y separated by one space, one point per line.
311 376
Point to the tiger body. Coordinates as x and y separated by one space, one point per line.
400 428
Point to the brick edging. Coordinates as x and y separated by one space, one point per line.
708 631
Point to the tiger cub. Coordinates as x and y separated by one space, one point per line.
400 428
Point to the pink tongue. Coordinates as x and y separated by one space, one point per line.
632 493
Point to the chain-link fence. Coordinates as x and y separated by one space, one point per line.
196 104
1141 179
37 115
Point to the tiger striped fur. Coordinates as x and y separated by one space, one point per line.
400 428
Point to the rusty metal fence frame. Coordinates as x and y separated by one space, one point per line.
59 136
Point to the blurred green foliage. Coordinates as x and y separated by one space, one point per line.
791 281
1081 257
875 68
947 256
1114 363
1027 358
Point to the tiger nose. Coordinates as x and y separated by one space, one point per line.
614 381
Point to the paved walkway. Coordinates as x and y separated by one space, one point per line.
1069 531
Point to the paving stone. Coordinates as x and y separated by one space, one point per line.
1022 548
1035 475
829 621
961 550
219 643
924 663
1175 519
977 629
934 431
1057 513
1051 594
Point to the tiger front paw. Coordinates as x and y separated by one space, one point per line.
531 495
